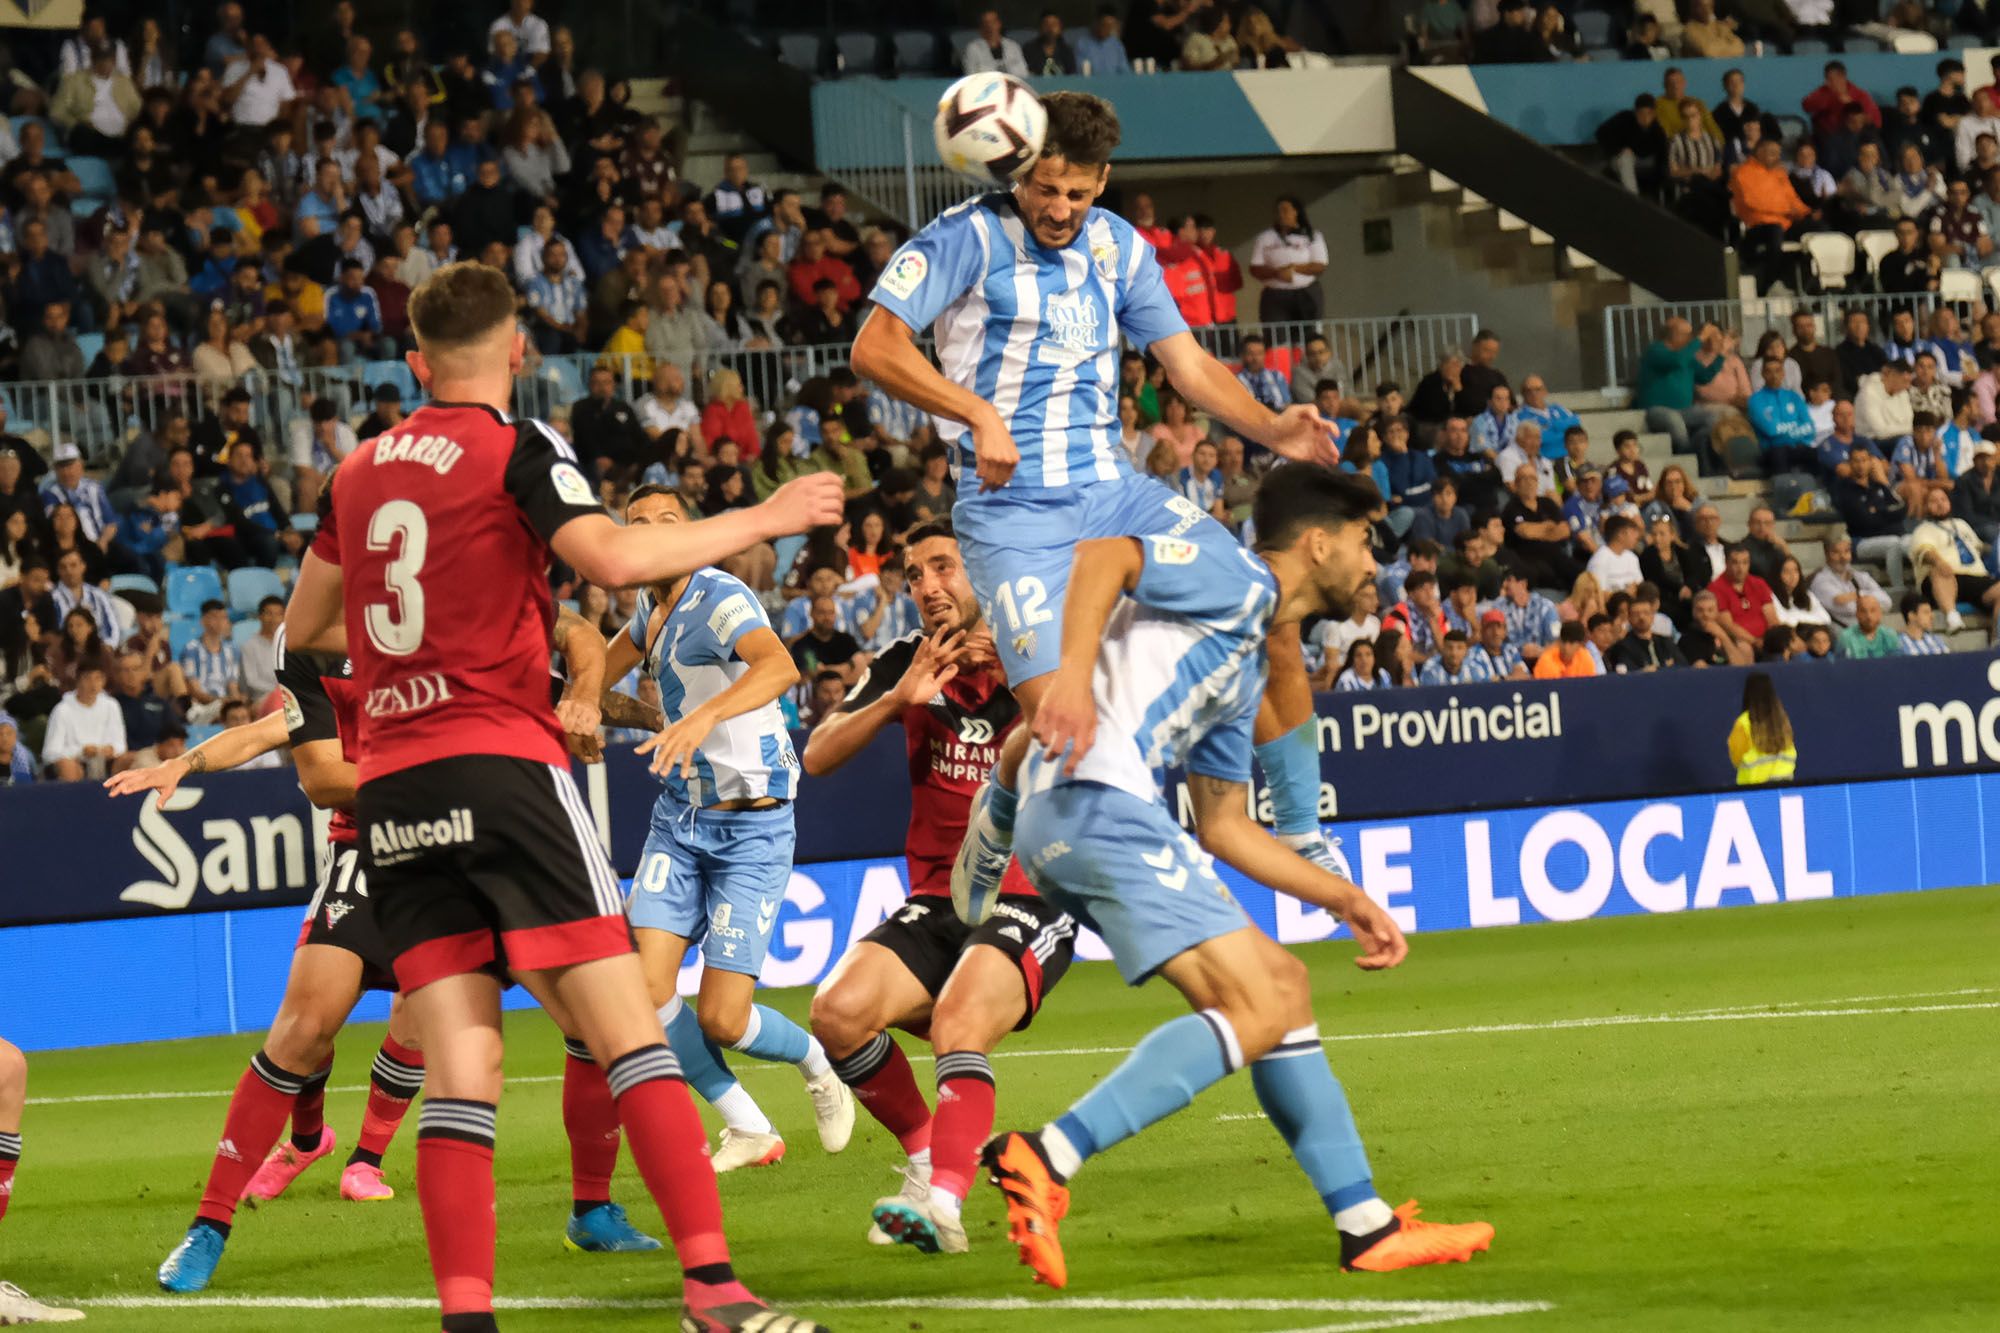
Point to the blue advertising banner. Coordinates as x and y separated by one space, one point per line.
238 840
204 975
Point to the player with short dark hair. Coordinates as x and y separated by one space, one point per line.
923 967
1162 660
479 851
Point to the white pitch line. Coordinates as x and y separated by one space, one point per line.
1742 1014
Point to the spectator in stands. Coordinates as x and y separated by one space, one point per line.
1771 212
1868 191
1636 147
257 87
1435 394
249 506
1199 483
1782 421
1840 586
210 661
1187 275
1913 265
1211 41
1553 419
354 316
1049 55
39 275
259 651
96 104
992 49
1452 665
1918 638
1815 360
1264 384
1949 554
1316 362
72 593
1614 564
1768 550
1642 649
1841 151
51 352
145 713
1694 166
67 485
1647 43
1828 103
1743 598
1101 51
1792 601
825 645
1410 471
730 416
86 733
826 323
1443 36
1669 371
1525 450
1712 640
1868 637
1976 496
1288 258
1957 231
1497 422
1537 532
1480 375
1441 521
1858 354
1982 120
607 430
1918 466
557 308
1476 474
1874 513
1882 408
738 202
1571 657
1511 41
1920 185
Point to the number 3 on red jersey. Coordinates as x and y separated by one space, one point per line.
396 627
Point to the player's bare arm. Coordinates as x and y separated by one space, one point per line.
1226 831
1066 718
844 735
771 673
312 616
886 352
624 557
622 710
1298 432
238 745
583 659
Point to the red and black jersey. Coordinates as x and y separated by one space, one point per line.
953 742
441 530
321 704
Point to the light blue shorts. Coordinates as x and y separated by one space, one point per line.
716 878
1124 868
1017 546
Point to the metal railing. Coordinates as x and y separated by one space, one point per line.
1400 348
1630 329
874 129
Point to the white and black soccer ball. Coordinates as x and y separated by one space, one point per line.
989 127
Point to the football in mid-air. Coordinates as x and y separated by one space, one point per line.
989 127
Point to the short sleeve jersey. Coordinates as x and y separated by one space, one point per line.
692 653
441 530
1181 669
1034 331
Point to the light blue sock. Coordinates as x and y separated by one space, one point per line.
701 1059
1165 1072
1297 1089
1291 768
1001 802
769 1035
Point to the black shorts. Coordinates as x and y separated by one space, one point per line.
1971 587
481 861
927 936
343 917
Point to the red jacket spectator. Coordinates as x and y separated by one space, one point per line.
812 265
393 295
1225 279
1187 278
733 421
1827 104
1746 608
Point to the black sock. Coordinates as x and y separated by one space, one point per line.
362 1157
219 1228
306 1143
712 1274
1353 1247
582 1206
478 1322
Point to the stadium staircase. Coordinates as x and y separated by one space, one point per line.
712 137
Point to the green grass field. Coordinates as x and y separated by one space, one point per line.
1761 1118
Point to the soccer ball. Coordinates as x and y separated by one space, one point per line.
990 127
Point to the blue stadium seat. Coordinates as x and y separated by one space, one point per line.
859 52
306 522
800 50
1810 46
202 731
90 344
182 631
397 373
94 173
1593 27
134 583
243 631
960 38
565 383
915 52
1854 43
251 585
189 586
1964 41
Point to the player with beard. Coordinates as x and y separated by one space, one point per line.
924 968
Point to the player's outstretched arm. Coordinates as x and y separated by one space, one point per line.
238 745
771 673
1102 570
871 705
622 557
1223 823
312 616
1298 432
622 710
578 710
886 352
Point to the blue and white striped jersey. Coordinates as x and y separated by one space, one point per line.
1181 670
693 657
1034 331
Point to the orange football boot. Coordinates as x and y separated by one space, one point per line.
1416 1242
1036 1204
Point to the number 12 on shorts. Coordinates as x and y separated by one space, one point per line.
1023 602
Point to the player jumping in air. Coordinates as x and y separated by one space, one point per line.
1162 664
431 573
923 967
719 853
17 1306
1029 292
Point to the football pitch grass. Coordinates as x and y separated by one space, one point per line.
1759 1118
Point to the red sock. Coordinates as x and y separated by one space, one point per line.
309 1109
455 1187
263 1100
964 1119
10 1157
590 1118
395 1080
668 1145
880 1075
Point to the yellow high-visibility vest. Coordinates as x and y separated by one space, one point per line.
1753 767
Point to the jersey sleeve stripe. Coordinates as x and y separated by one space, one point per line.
561 446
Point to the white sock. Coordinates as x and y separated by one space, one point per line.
815 1066
1063 1155
945 1203
752 1025
670 1011
739 1110
1363 1219
921 1158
